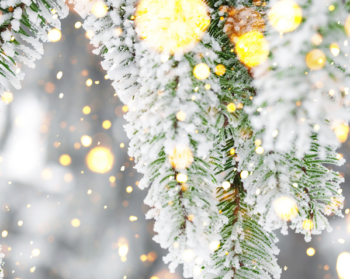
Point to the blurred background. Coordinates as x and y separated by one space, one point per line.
64 217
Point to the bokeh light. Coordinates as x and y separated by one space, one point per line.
252 49
181 178
231 107
7 97
308 225
181 157
220 70
86 110
100 159
343 265
99 9
285 208
173 25
75 222
106 124
226 185
54 35
334 48
310 252
86 140
315 59
341 132
285 16
35 252
244 174
65 160
201 71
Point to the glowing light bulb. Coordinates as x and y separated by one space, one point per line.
315 59
123 250
252 48
65 160
86 110
7 97
75 222
99 9
181 178
310 252
335 50
231 107
259 150
232 151
343 267
286 208
181 157
214 245
226 185
275 133
308 225
220 70
4 233
181 115
54 35
285 16
244 174
86 141
100 159
201 71
172 26
341 132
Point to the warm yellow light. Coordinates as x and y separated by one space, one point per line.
316 39
181 157
59 75
347 26
308 225
341 132
129 189
99 159
86 110
201 71
275 133
286 208
232 151
315 59
32 269
226 185
181 115
65 160
257 142
231 107
252 48
35 252
244 174
132 218
46 174
335 50
75 222
331 8
112 179
20 223
7 97
181 178
220 70
89 82
285 16
343 267
188 255
99 9
214 245
77 25
86 141
259 150
4 233
54 35
106 124
173 25
123 250
310 251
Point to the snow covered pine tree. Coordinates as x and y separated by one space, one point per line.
229 153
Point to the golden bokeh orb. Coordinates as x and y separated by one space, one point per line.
308 225
259 150
54 35
347 26
99 9
343 267
181 157
285 208
310 252
106 124
252 49
7 97
65 160
172 26
75 222
341 132
232 151
201 71
181 178
231 107
244 174
100 159
285 16
334 48
86 110
181 115
226 185
220 70
86 140
317 39
315 59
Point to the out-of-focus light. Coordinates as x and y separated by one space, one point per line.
106 77
7 97
181 178
214 245
197 270
317 39
86 110
89 82
347 26
181 157
275 133
118 31
172 26
181 115
32 269
335 50
59 75
285 208
220 70
259 150
54 35
188 255
75 222
310 251
244 174
143 258
132 218
123 250
46 174
343 267
308 225
201 71
77 25
35 252
106 124
99 9
89 192
226 185
20 223
100 159
341 132
86 140
4 233
65 160
89 34
231 107
315 59
252 48
285 16
232 151
129 189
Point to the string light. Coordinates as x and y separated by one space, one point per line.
220 70
341 132
181 115
231 107
310 252
54 35
201 71
285 208
259 150
308 224
171 26
244 174
181 157
86 140
252 49
181 178
226 185
214 245
65 160
315 59
335 50
99 159
99 9
285 16
232 151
